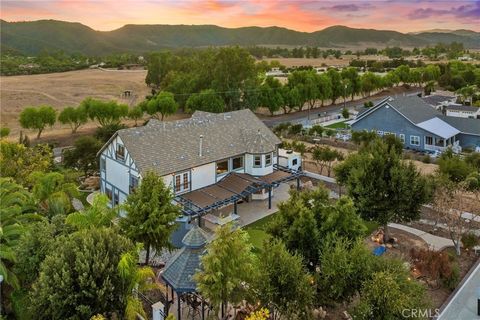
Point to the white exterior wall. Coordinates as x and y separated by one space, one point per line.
203 176
260 171
116 173
463 114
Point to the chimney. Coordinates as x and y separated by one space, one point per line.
200 151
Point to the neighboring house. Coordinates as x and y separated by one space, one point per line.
417 125
210 161
458 110
439 101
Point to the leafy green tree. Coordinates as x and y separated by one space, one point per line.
105 112
35 244
455 168
86 262
370 82
150 214
83 156
336 84
38 118
75 117
135 280
291 99
345 113
388 294
227 268
159 65
99 214
135 113
4 132
18 161
383 187
53 193
351 74
325 87
271 95
206 100
15 205
283 285
344 266
163 104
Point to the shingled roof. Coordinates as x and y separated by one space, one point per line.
414 108
465 125
168 147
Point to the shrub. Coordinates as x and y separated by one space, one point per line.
469 240
438 266
295 129
453 279
426 159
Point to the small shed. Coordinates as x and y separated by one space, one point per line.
179 271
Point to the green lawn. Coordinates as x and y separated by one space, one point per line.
257 232
338 125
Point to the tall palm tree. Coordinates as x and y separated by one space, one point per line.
16 207
135 280
98 215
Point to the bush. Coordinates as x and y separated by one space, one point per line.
426 159
438 266
295 129
469 240
453 279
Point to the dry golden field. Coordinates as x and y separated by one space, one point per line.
66 89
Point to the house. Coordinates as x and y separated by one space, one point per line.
210 161
458 110
418 125
439 101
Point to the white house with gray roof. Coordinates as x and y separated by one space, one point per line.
210 161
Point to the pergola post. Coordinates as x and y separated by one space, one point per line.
298 184
179 317
203 309
270 197
235 207
167 303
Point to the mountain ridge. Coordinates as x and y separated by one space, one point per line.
31 37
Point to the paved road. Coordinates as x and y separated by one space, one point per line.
326 110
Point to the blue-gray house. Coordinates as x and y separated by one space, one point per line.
418 125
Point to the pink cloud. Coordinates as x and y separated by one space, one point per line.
300 15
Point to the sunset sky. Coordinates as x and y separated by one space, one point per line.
404 16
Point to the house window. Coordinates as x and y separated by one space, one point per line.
257 161
222 167
116 197
120 153
133 184
402 137
429 140
294 162
415 140
108 192
268 160
380 133
182 182
237 163
103 163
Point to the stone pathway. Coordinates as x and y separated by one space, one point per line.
434 242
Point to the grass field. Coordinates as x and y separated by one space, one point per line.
257 231
338 125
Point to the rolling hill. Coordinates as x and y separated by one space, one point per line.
31 37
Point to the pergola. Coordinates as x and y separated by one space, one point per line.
179 271
234 187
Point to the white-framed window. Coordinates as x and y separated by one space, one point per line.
182 182
237 163
402 137
133 184
415 140
268 160
380 133
222 166
120 152
257 161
